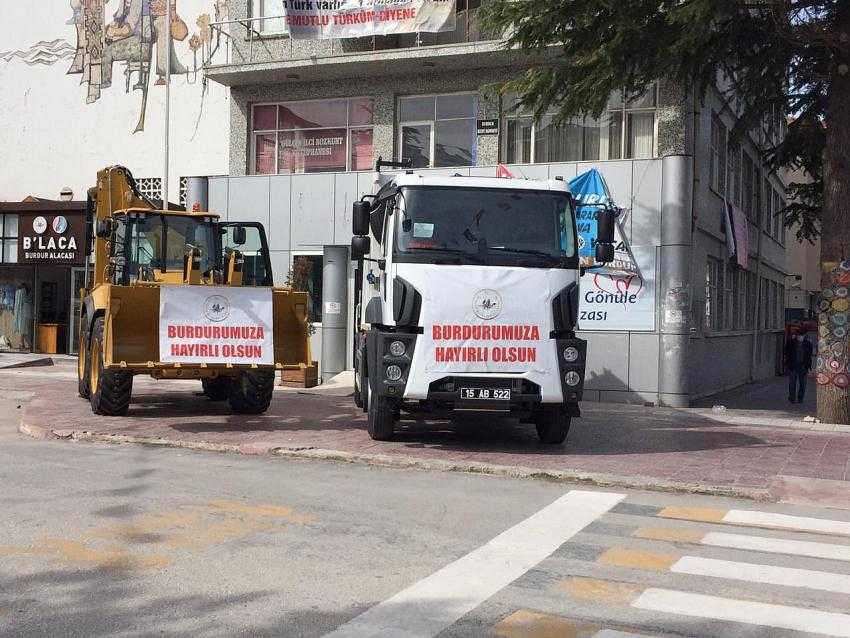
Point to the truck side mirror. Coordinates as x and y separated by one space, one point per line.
605 221
360 218
604 253
103 229
361 246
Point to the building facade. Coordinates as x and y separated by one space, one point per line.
308 119
288 132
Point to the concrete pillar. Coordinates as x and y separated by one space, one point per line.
334 310
198 194
674 280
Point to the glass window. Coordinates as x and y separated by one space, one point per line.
641 127
318 114
361 111
455 143
439 130
254 271
313 151
518 135
454 106
317 136
583 138
265 118
9 238
264 154
504 226
417 109
416 144
262 8
361 149
712 294
306 276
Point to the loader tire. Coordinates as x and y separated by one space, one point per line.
382 417
251 392
217 389
83 371
553 424
110 390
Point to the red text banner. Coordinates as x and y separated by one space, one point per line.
330 19
214 324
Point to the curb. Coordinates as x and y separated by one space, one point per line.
32 363
409 462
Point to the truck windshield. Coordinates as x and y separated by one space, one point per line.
491 226
159 242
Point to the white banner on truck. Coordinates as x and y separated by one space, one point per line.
216 324
488 320
329 19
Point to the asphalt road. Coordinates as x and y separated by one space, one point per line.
108 540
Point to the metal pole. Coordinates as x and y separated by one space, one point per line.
167 100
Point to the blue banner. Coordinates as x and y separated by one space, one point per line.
591 195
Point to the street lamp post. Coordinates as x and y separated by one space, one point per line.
167 101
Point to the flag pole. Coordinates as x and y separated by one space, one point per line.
167 100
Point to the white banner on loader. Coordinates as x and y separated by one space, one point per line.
216 324
329 19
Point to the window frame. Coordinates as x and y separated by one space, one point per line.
349 128
399 124
718 166
8 238
507 115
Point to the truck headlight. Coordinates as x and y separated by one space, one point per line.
571 354
393 373
572 378
397 348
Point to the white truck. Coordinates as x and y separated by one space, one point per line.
467 293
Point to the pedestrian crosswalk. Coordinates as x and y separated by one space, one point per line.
677 570
604 565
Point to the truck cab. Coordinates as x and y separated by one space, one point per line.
467 292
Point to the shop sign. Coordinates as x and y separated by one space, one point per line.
322 19
488 127
51 238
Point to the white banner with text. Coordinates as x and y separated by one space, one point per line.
216 324
330 19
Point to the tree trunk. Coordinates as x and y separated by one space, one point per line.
833 404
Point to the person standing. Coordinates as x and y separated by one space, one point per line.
798 360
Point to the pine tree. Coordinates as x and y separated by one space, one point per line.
767 56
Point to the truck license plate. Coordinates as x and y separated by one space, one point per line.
487 394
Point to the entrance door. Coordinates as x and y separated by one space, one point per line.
78 282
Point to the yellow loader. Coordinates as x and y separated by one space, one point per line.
181 295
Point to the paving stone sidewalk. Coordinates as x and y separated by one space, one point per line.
648 446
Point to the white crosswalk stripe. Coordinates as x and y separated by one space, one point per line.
764 574
744 611
778 546
785 521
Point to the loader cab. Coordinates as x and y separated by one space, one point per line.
151 247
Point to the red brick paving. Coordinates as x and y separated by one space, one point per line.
621 440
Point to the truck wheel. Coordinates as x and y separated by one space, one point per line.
110 390
251 392
217 388
83 363
553 424
381 418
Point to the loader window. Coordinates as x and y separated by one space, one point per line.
254 249
149 243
